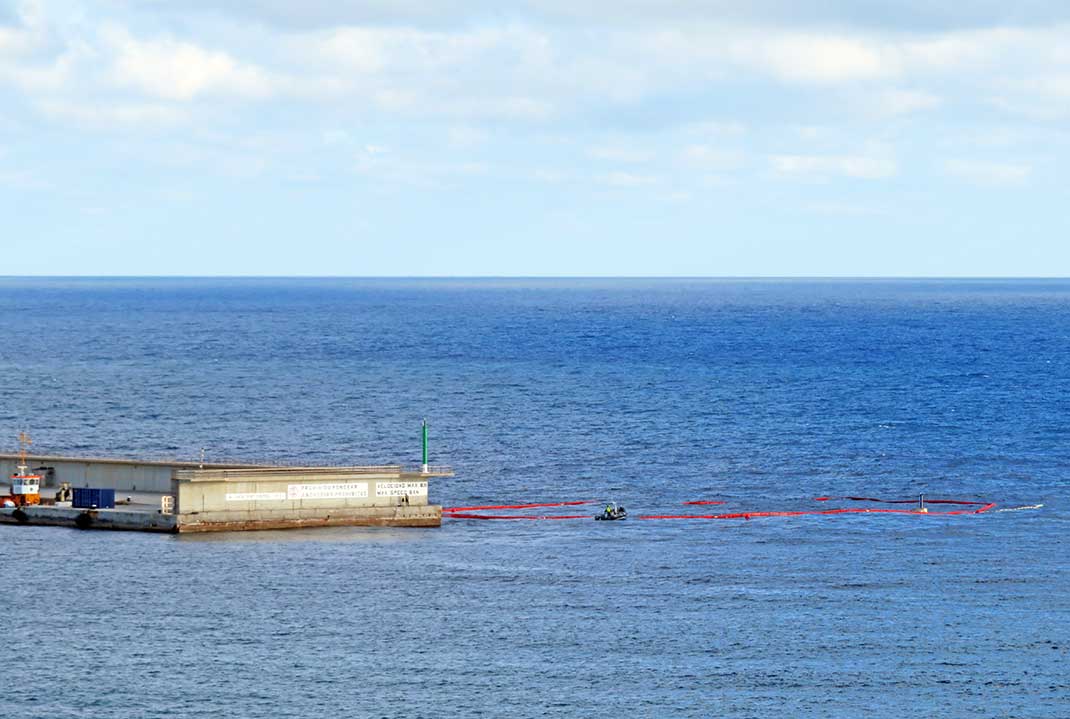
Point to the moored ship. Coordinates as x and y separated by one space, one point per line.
25 487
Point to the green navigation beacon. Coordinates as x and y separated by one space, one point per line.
424 468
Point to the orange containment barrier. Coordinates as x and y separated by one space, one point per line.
899 501
849 510
463 515
477 512
451 510
975 507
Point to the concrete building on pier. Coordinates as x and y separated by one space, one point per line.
173 496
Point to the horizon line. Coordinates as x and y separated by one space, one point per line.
535 277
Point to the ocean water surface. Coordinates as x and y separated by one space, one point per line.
759 393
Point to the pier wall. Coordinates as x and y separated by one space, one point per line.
131 520
270 498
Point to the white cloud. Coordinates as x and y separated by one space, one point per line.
536 72
867 167
717 130
625 153
815 58
23 181
336 137
472 168
972 49
554 177
987 173
496 73
678 196
372 50
431 102
37 78
1056 86
1043 95
812 132
466 136
110 115
627 179
910 15
360 50
719 52
844 209
35 58
711 157
901 102
701 99
506 107
16 41
176 70
969 59
407 67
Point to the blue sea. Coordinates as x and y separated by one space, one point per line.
762 394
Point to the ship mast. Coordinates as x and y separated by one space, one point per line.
24 442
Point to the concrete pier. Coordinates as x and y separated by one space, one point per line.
191 497
273 498
142 518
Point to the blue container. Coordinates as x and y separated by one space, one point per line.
88 498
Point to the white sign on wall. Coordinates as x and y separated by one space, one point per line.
255 496
401 489
341 490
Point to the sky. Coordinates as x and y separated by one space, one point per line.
535 138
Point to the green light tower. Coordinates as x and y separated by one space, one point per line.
425 447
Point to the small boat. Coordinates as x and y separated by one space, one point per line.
613 511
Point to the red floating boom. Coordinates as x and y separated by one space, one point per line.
476 512
750 515
463 515
451 510
898 501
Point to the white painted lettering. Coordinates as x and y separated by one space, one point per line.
343 490
401 489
